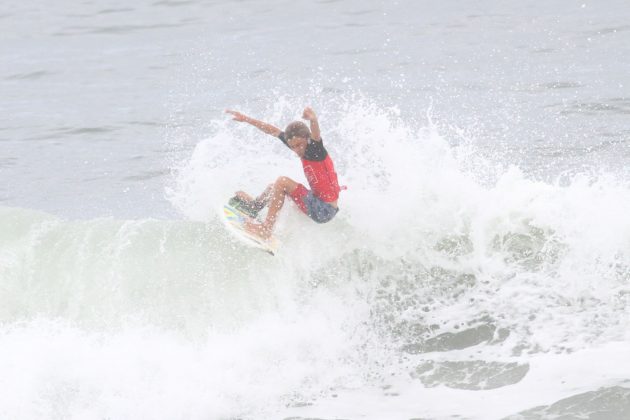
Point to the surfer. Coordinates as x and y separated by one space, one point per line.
320 202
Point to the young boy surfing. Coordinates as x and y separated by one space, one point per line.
320 202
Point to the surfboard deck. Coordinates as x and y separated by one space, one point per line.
235 220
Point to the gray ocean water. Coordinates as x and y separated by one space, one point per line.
479 267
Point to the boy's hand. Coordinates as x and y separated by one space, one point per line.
309 114
236 116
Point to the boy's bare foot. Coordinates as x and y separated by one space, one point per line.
258 229
244 196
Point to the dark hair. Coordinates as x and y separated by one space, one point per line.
297 128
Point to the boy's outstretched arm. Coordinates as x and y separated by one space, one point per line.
309 115
262 126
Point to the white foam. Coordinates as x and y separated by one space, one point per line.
551 378
170 319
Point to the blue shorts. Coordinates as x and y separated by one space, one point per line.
313 207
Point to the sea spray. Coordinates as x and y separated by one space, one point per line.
427 272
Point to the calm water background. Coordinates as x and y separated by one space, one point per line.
96 95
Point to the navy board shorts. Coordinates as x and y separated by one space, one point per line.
315 208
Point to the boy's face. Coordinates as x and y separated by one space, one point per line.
298 145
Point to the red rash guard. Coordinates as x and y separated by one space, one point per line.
319 170
322 178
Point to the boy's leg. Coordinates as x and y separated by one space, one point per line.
244 196
258 202
275 199
248 205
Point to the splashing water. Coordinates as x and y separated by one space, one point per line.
431 282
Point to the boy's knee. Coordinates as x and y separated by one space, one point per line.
281 180
283 183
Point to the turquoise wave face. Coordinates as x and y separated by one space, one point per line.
164 306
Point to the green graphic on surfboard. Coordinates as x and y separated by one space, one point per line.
235 219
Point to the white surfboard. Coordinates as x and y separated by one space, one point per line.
235 222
